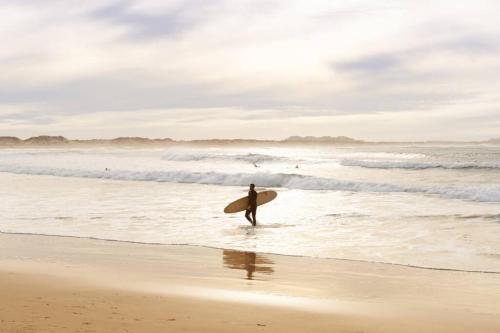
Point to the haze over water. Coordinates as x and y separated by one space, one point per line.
430 206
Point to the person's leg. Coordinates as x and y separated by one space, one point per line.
247 215
254 213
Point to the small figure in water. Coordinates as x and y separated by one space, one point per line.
255 165
252 205
297 166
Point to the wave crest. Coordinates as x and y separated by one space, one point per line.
179 156
263 179
418 165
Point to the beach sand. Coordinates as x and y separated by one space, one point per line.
62 284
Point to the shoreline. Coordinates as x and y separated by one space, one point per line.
51 276
410 266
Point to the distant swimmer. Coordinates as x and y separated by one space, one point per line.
297 166
255 165
252 205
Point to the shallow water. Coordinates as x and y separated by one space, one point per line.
431 206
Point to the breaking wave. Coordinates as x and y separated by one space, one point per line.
179 156
418 165
263 179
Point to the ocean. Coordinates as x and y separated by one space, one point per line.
432 206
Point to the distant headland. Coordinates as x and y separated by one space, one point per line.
60 141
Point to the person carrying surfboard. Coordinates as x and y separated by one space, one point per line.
250 202
252 205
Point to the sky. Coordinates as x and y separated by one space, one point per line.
198 69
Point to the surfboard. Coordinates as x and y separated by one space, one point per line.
242 203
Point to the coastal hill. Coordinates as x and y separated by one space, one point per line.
9 140
58 141
324 139
138 140
45 140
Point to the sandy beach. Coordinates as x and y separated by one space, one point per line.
61 284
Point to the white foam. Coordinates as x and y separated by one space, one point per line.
379 155
186 156
264 179
373 164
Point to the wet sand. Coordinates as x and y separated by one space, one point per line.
60 284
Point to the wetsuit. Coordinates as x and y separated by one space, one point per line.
252 206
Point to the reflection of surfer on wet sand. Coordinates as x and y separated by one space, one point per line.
249 261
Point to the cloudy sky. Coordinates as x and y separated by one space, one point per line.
370 69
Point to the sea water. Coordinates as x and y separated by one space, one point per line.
435 206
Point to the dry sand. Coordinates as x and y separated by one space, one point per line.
55 284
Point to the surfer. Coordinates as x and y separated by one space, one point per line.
252 205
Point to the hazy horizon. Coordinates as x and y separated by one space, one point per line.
397 71
241 138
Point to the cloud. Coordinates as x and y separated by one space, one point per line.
150 25
264 60
376 63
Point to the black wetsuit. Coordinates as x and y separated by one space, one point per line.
252 206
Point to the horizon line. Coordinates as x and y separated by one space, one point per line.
293 138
